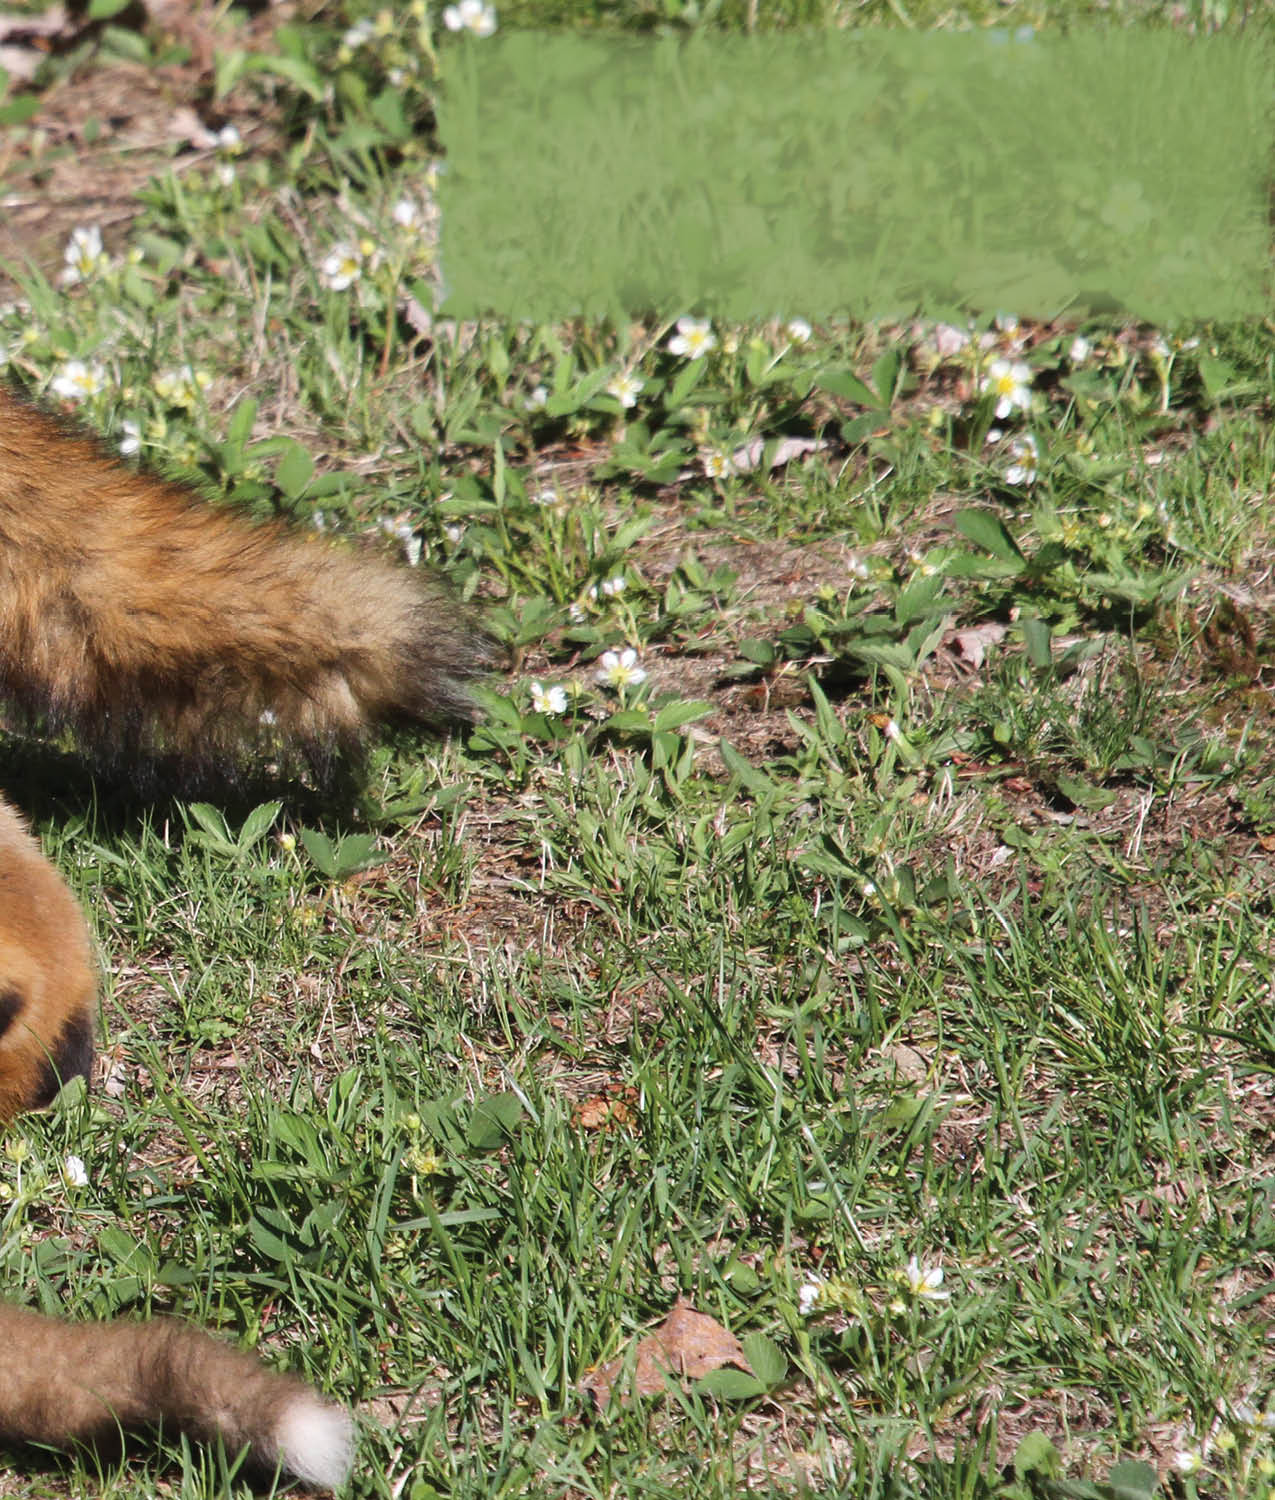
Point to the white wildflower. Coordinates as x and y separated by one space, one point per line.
358 35
537 400
131 442
74 1173
181 387
1010 382
76 380
548 699
1025 455
718 465
693 339
626 388
341 267
83 255
924 1282
798 330
403 532
474 16
809 1295
619 669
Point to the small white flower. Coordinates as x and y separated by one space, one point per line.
83 255
858 568
453 531
76 381
694 338
359 34
1010 382
181 387
131 442
1080 350
341 267
1025 454
893 732
1187 1462
798 330
74 1173
225 173
406 214
718 465
1159 349
404 532
949 340
924 1282
619 669
869 888
809 1295
610 587
550 699
473 16
229 140
625 388
537 400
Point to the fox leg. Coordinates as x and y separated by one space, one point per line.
48 988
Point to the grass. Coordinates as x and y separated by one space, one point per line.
915 904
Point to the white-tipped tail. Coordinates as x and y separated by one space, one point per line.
316 1443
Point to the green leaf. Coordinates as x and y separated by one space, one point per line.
213 822
988 531
685 384
770 1364
271 1245
885 375
730 1385
1036 637
1083 793
103 10
847 385
321 850
294 471
674 715
258 823
494 1120
749 776
1131 1479
1036 1454
1216 376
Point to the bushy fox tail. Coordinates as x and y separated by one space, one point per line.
88 1382
144 619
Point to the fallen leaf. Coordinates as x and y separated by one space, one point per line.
51 22
186 125
686 1343
972 643
744 460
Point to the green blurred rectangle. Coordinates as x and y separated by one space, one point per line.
863 174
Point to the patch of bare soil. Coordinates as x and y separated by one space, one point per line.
104 129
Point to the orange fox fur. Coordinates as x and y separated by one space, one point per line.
148 622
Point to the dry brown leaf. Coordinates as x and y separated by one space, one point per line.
747 458
973 642
686 1343
50 22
